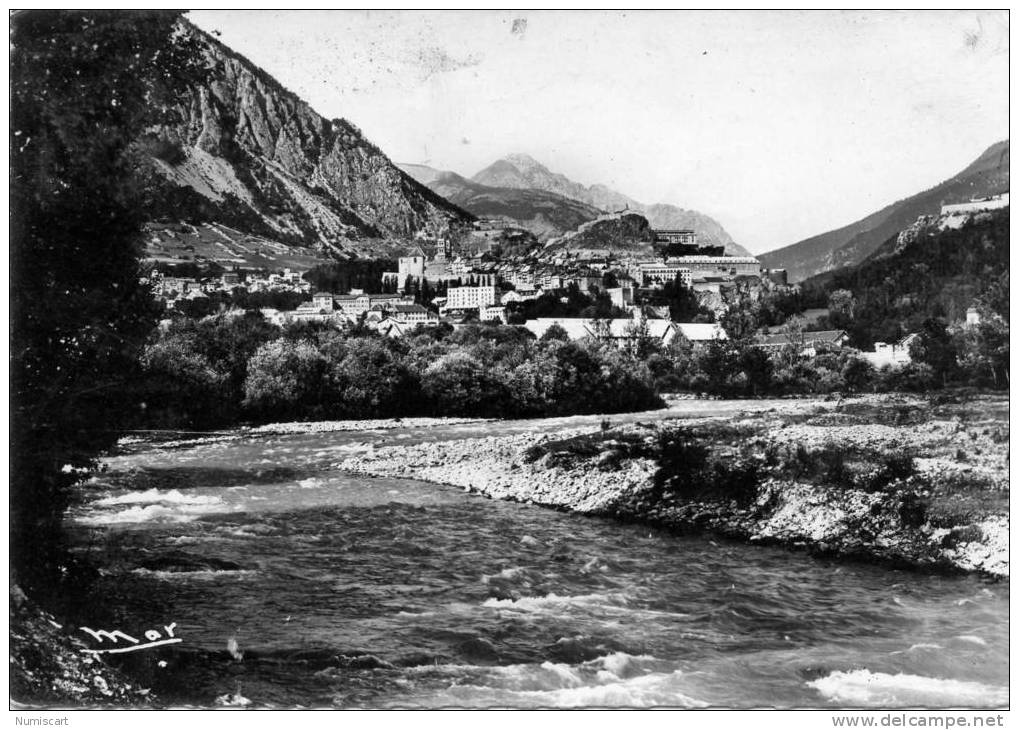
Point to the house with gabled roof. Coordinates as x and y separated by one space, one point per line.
808 343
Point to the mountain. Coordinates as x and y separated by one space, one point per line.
524 172
987 175
617 232
544 214
247 153
936 267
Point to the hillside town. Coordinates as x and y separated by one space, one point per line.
480 286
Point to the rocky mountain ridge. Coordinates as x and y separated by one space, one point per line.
247 152
524 172
543 213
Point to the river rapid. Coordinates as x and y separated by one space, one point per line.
293 584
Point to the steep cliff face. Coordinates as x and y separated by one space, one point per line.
619 233
248 153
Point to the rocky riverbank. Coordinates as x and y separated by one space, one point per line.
50 669
898 480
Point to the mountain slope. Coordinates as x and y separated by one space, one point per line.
524 172
248 153
542 213
850 244
620 233
931 270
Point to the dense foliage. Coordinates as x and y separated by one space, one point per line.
84 87
342 276
575 303
221 369
938 274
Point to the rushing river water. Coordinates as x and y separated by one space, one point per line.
293 584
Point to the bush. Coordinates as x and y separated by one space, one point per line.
373 381
688 472
912 377
286 380
894 469
460 385
182 388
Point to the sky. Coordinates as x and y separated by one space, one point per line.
780 125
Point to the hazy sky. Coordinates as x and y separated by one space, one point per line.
781 125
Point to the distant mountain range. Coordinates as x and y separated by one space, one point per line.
555 203
544 214
851 244
249 154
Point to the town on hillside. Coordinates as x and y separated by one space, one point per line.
677 288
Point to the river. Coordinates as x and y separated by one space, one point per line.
292 584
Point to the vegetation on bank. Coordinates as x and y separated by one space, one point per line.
722 463
80 315
927 274
217 370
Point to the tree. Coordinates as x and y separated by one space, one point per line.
841 306
84 88
934 347
756 364
460 385
555 332
286 380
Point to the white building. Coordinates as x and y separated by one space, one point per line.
496 312
471 297
412 314
623 331
660 274
621 296
992 202
894 353
701 332
702 266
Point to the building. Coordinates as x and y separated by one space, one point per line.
275 316
683 236
412 314
621 296
992 202
622 332
808 343
701 333
356 304
471 297
176 285
894 354
323 300
321 308
493 313
972 317
520 295
660 274
704 266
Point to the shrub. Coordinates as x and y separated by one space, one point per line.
181 386
687 471
460 385
286 380
895 468
370 380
